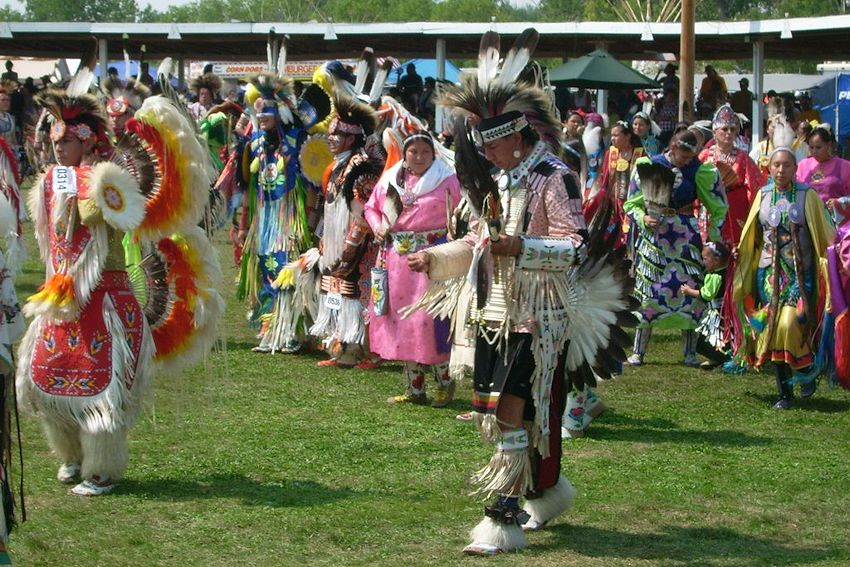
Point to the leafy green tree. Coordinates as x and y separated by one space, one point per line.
9 14
561 10
471 11
80 10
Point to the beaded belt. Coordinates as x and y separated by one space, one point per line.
331 284
408 242
687 210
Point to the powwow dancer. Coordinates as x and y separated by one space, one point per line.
407 212
548 299
207 88
668 242
346 246
11 323
123 100
780 277
274 225
89 352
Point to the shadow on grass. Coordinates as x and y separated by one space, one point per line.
617 427
250 492
688 545
816 404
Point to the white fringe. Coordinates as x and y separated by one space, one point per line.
508 472
282 322
38 213
439 300
337 220
105 454
488 426
345 325
114 408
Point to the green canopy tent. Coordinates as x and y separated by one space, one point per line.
599 70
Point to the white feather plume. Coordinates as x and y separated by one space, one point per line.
592 139
165 67
488 58
362 71
281 58
126 66
519 56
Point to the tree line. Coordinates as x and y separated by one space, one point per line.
395 10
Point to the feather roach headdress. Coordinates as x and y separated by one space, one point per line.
353 117
81 115
209 81
496 103
124 97
267 93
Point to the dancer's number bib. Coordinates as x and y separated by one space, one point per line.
333 301
64 180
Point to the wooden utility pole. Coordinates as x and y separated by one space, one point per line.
686 59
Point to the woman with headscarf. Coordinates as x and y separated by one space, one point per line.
407 213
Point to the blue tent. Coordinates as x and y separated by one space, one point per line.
425 68
837 114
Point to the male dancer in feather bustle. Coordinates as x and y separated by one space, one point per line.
89 351
538 275
274 227
347 240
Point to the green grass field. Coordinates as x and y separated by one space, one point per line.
253 459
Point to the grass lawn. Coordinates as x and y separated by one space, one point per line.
253 459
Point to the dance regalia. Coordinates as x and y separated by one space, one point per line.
278 232
831 180
89 352
669 256
711 328
347 251
780 297
89 348
421 224
741 179
614 180
11 324
552 311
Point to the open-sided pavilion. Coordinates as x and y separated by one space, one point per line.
795 38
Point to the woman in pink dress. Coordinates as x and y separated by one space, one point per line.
827 173
407 213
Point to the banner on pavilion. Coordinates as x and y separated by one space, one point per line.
302 70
